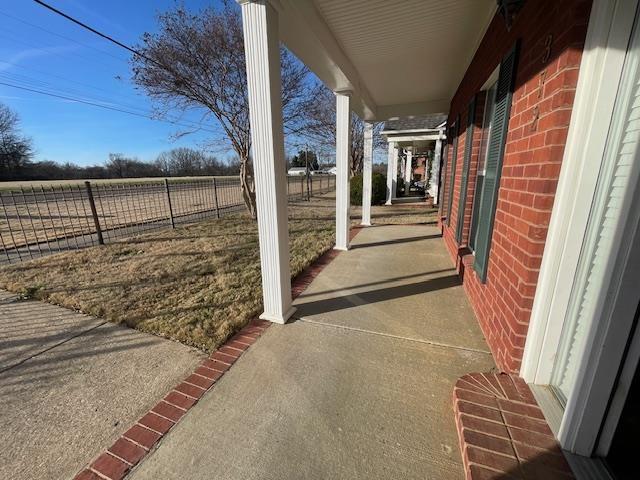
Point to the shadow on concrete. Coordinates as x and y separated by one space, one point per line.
381 282
379 295
395 241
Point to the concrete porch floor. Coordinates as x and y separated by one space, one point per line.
358 385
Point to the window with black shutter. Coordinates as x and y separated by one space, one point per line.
464 179
493 164
453 132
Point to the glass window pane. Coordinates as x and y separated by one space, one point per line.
484 143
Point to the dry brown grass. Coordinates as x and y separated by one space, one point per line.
196 284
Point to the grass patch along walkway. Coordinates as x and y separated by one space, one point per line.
196 284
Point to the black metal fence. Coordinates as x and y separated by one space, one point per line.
43 219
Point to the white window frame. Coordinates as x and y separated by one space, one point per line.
491 82
601 67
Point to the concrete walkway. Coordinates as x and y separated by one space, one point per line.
357 387
70 384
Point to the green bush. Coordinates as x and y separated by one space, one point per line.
378 189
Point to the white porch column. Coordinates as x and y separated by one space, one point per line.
367 167
408 170
392 172
435 172
262 50
343 194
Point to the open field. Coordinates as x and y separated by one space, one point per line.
36 220
196 283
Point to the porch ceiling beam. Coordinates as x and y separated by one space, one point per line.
421 131
412 138
387 112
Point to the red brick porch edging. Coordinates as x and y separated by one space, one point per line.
502 431
134 444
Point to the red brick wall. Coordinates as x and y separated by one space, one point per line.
420 167
552 36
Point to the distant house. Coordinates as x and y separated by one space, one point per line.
297 171
332 170
410 141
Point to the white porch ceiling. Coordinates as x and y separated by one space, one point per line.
399 57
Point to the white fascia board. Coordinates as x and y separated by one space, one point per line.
413 138
304 32
414 130
387 112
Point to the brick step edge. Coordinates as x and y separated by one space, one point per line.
145 435
502 431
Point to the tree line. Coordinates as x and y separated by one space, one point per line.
16 163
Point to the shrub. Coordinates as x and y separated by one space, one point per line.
378 189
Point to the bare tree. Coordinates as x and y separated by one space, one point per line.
321 128
15 150
117 165
187 161
196 61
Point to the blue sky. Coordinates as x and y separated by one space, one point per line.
34 54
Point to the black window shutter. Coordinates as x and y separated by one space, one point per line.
493 166
454 158
464 179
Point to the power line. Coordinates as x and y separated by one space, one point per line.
35 82
26 81
97 32
50 51
60 36
47 87
107 37
107 107
48 74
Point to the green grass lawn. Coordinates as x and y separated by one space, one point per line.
196 284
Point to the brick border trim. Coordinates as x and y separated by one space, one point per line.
133 445
502 431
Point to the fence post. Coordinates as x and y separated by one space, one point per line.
308 185
94 212
215 196
166 187
302 187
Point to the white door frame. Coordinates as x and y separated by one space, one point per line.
601 67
